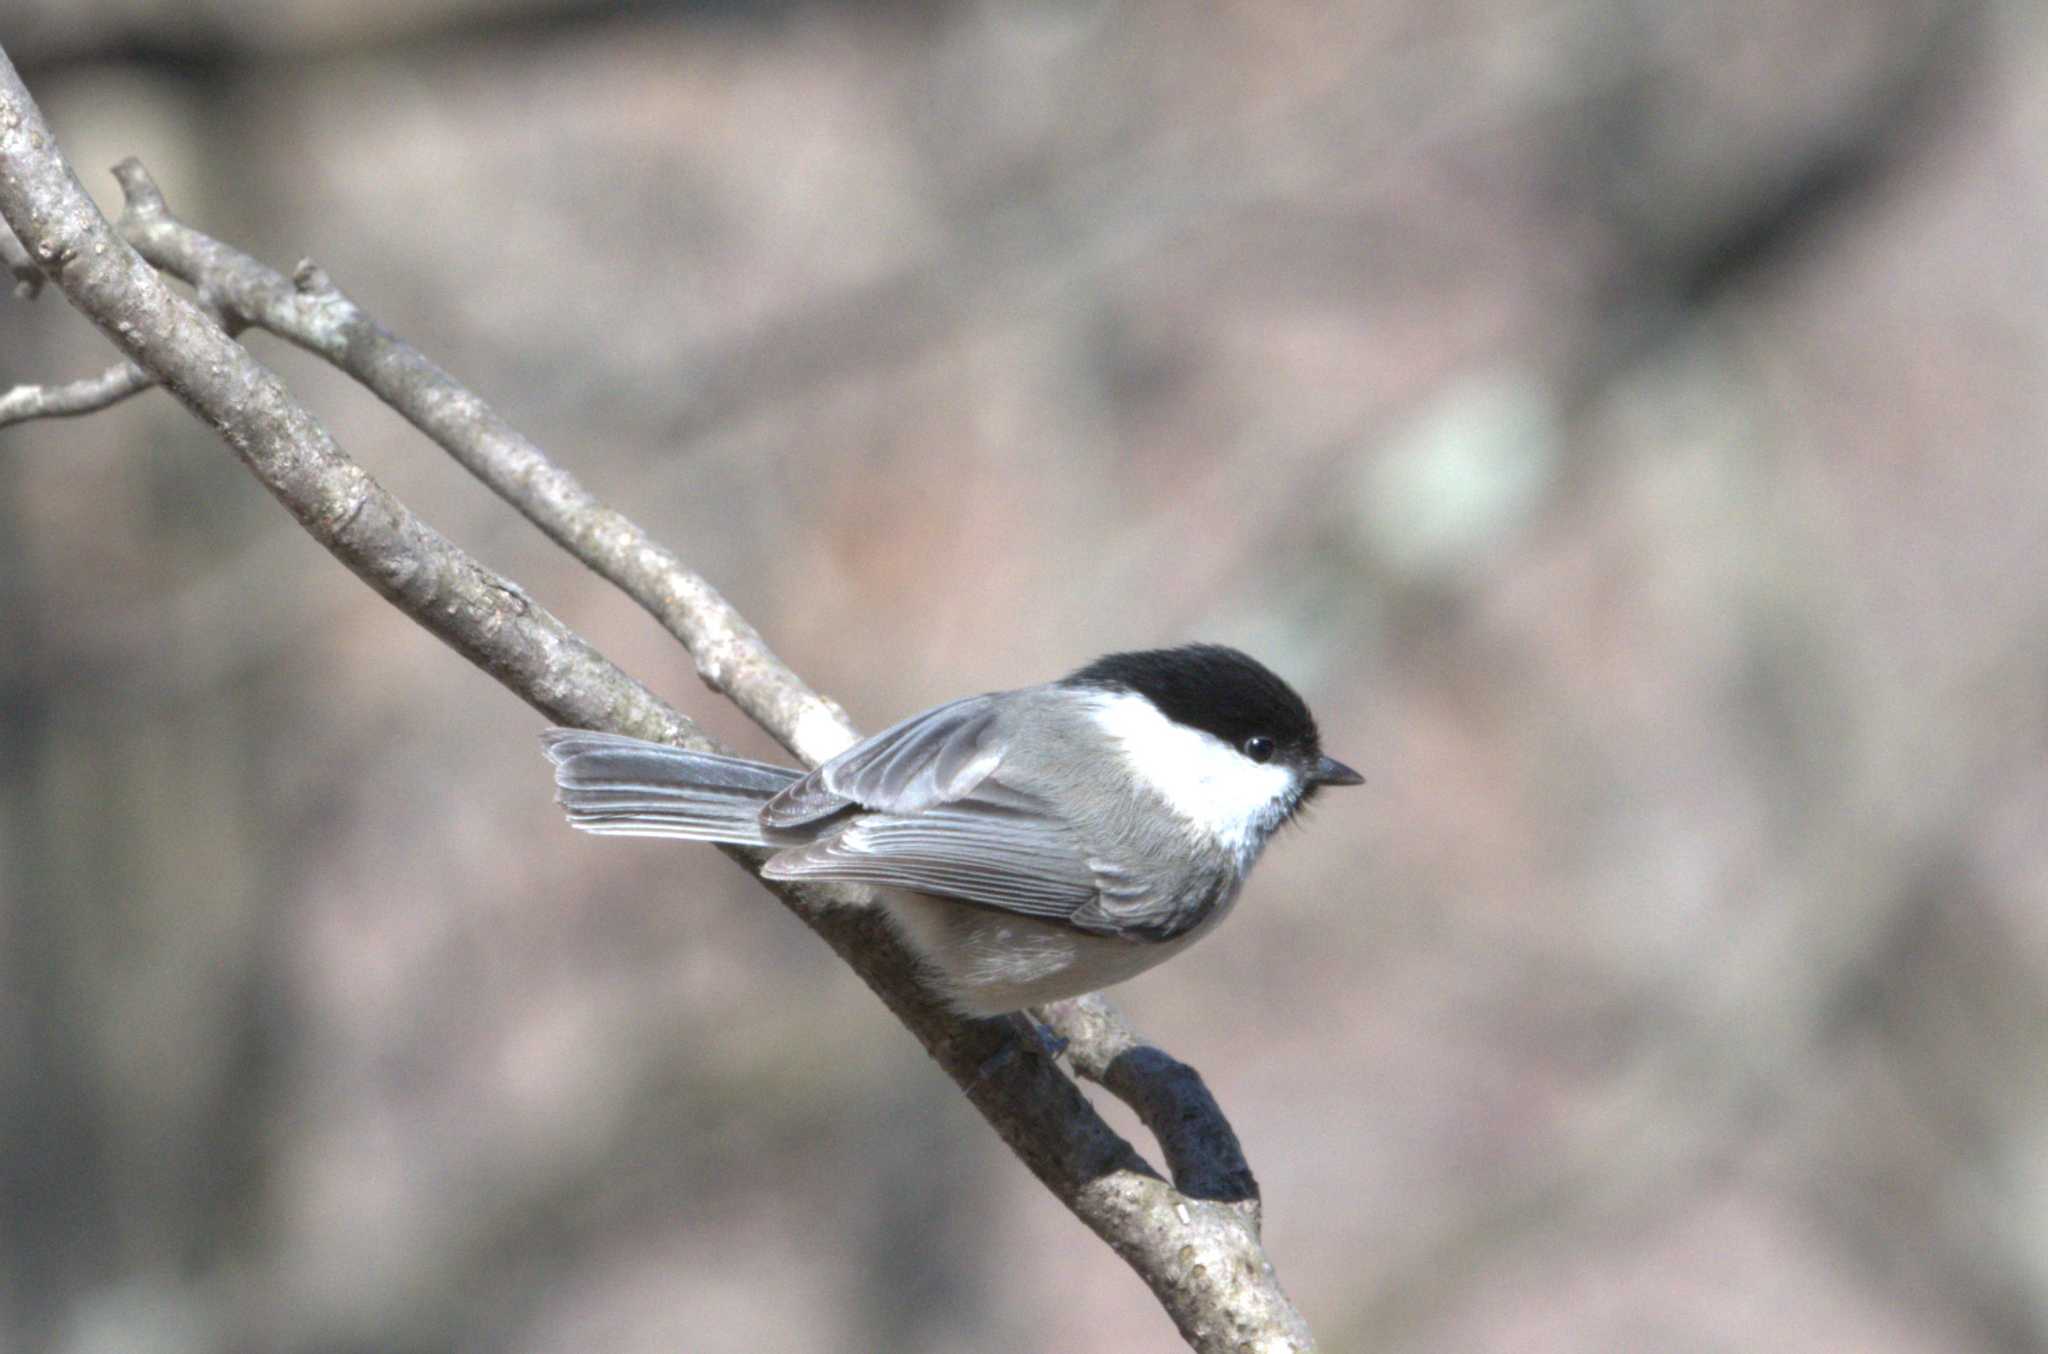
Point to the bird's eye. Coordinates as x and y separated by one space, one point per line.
1259 748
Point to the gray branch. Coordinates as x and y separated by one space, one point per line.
87 395
310 311
1196 1246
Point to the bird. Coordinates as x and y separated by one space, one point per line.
1029 845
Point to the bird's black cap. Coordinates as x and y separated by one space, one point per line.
1223 692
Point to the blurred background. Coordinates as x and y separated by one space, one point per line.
1622 420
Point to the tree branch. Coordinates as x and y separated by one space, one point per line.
86 395
310 311
1196 1247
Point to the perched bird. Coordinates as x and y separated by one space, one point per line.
1030 844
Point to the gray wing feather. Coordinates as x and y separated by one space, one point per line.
928 759
998 854
937 818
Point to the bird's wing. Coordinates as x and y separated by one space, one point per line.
995 848
928 759
923 806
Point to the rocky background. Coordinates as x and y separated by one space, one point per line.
1623 420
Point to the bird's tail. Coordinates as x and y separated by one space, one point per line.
627 787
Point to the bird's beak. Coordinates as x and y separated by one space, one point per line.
1330 771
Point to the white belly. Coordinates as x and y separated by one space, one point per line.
987 962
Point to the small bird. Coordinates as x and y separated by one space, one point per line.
1031 844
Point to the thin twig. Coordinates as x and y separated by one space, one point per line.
86 395
484 617
310 311
90 394
1201 1257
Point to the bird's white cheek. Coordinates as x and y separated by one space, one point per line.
1215 789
